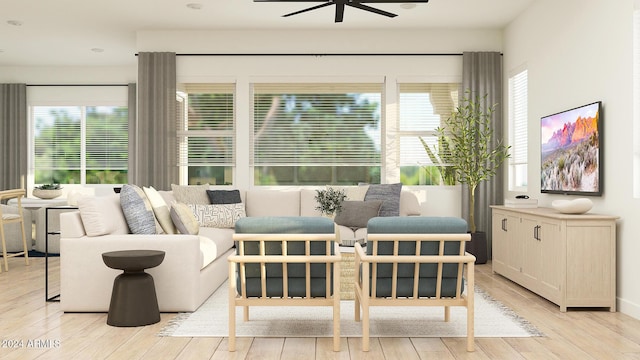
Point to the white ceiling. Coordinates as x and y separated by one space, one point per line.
64 32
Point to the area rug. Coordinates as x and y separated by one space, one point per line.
492 319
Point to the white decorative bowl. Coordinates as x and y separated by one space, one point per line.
577 206
47 194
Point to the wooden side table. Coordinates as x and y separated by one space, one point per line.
133 299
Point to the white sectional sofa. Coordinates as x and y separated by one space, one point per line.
194 265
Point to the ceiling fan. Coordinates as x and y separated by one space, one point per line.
340 6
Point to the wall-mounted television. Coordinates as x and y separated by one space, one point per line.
571 151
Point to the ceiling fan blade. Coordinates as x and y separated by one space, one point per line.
371 9
339 12
308 9
391 1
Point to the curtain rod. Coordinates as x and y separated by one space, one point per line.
321 55
77 84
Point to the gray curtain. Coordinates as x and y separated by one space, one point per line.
13 136
482 74
132 97
154 133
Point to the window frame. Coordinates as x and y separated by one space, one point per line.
228 164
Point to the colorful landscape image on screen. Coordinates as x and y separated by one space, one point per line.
571 151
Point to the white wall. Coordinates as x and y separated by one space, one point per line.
577 52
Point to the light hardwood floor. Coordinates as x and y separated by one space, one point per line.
38 330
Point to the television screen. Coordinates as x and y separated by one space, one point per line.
571 151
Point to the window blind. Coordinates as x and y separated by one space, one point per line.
107 138
57 142
518 134
206 123
422 108
316 124
518 116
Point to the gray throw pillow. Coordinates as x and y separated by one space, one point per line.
356 214
389 194
137 210
224 196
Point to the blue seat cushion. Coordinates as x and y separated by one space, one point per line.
274 271
427 272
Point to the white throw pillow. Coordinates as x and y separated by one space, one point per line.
160 209
102 215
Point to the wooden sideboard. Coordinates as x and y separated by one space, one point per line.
568 259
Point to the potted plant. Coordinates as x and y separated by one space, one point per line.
473 155
47 191
330 201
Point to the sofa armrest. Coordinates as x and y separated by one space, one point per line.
86 282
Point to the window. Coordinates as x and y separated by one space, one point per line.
80 144
206 134
422 108
518 134
316 134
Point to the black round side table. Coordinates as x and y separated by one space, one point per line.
133 299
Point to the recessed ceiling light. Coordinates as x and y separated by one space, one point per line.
97 50
14 22
407 6
194 6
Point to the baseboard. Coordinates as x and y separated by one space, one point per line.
629 308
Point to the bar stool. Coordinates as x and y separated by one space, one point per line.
10 218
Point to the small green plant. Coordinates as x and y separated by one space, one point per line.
330 200
49 187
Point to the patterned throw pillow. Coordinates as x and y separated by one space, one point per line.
218 216
137 210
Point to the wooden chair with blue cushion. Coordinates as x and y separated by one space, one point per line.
284 261
414 261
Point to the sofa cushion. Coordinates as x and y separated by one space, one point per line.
224 196
355 214
308 203
184 219
221 238
160 209
272 203
137 210
389 194
191 194
355 193
409 204
218 216
102 215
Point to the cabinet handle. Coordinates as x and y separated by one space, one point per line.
536 232
504 224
